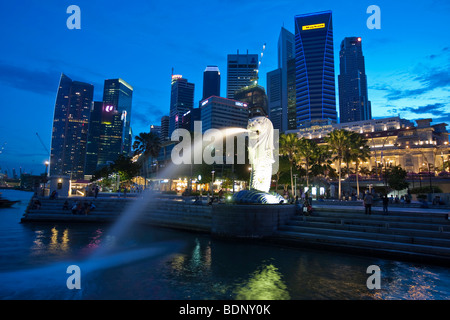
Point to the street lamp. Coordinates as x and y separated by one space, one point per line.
212 182
46 163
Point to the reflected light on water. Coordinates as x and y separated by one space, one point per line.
264 284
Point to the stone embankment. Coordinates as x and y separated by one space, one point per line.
412 233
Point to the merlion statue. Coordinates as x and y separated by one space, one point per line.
260 151
261 157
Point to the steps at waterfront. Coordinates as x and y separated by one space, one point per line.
409 233
164 213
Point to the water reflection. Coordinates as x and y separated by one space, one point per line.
264 284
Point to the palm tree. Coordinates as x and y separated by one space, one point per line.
360 153
307 152
289 147
148 145
338 142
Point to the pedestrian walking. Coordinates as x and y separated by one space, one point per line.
368 200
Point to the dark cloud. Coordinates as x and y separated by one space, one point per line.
28 79
145 114
430 108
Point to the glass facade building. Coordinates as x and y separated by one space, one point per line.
93 142
211 82
218 113
70 128
242 69
354 104
181 101
314 68
118 94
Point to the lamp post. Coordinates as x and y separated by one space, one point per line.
212 182
46 163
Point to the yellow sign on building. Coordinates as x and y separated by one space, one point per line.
314 26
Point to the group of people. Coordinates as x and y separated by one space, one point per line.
93 191
80 208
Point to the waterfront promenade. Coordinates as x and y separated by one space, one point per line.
406 232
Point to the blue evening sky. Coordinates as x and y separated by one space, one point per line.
407 60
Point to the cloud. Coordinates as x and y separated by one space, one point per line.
37 81
430 108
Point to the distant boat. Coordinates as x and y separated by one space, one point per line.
5 203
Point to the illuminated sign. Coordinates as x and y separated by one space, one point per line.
314 26
240 104
109 108
204 102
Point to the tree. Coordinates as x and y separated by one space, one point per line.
338 142
397 178
148 145
125 167
359 152
289 148
309 155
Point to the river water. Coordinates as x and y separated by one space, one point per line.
156 263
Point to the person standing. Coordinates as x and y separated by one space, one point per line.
385 204
368 199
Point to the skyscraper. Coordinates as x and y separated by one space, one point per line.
181 101
111 137
93 141
164 128
278 90
274 84
354 104
218 113
118 94
70 128
242 69
256 99
211 82
314 62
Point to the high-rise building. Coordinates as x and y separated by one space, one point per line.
118 94
291 96
256 99
274 84
354 104
181 101
218 113
165 128
111 138
93 141
314 62
211 82
242 69
70 128
279 92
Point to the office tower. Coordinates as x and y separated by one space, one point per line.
181 101
70 128
256 99
314 62
278 90
188 119
156 130
242 70
118 94
211 82
291 96
218 113
165 128
354 104
93 141
274 84
111 137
